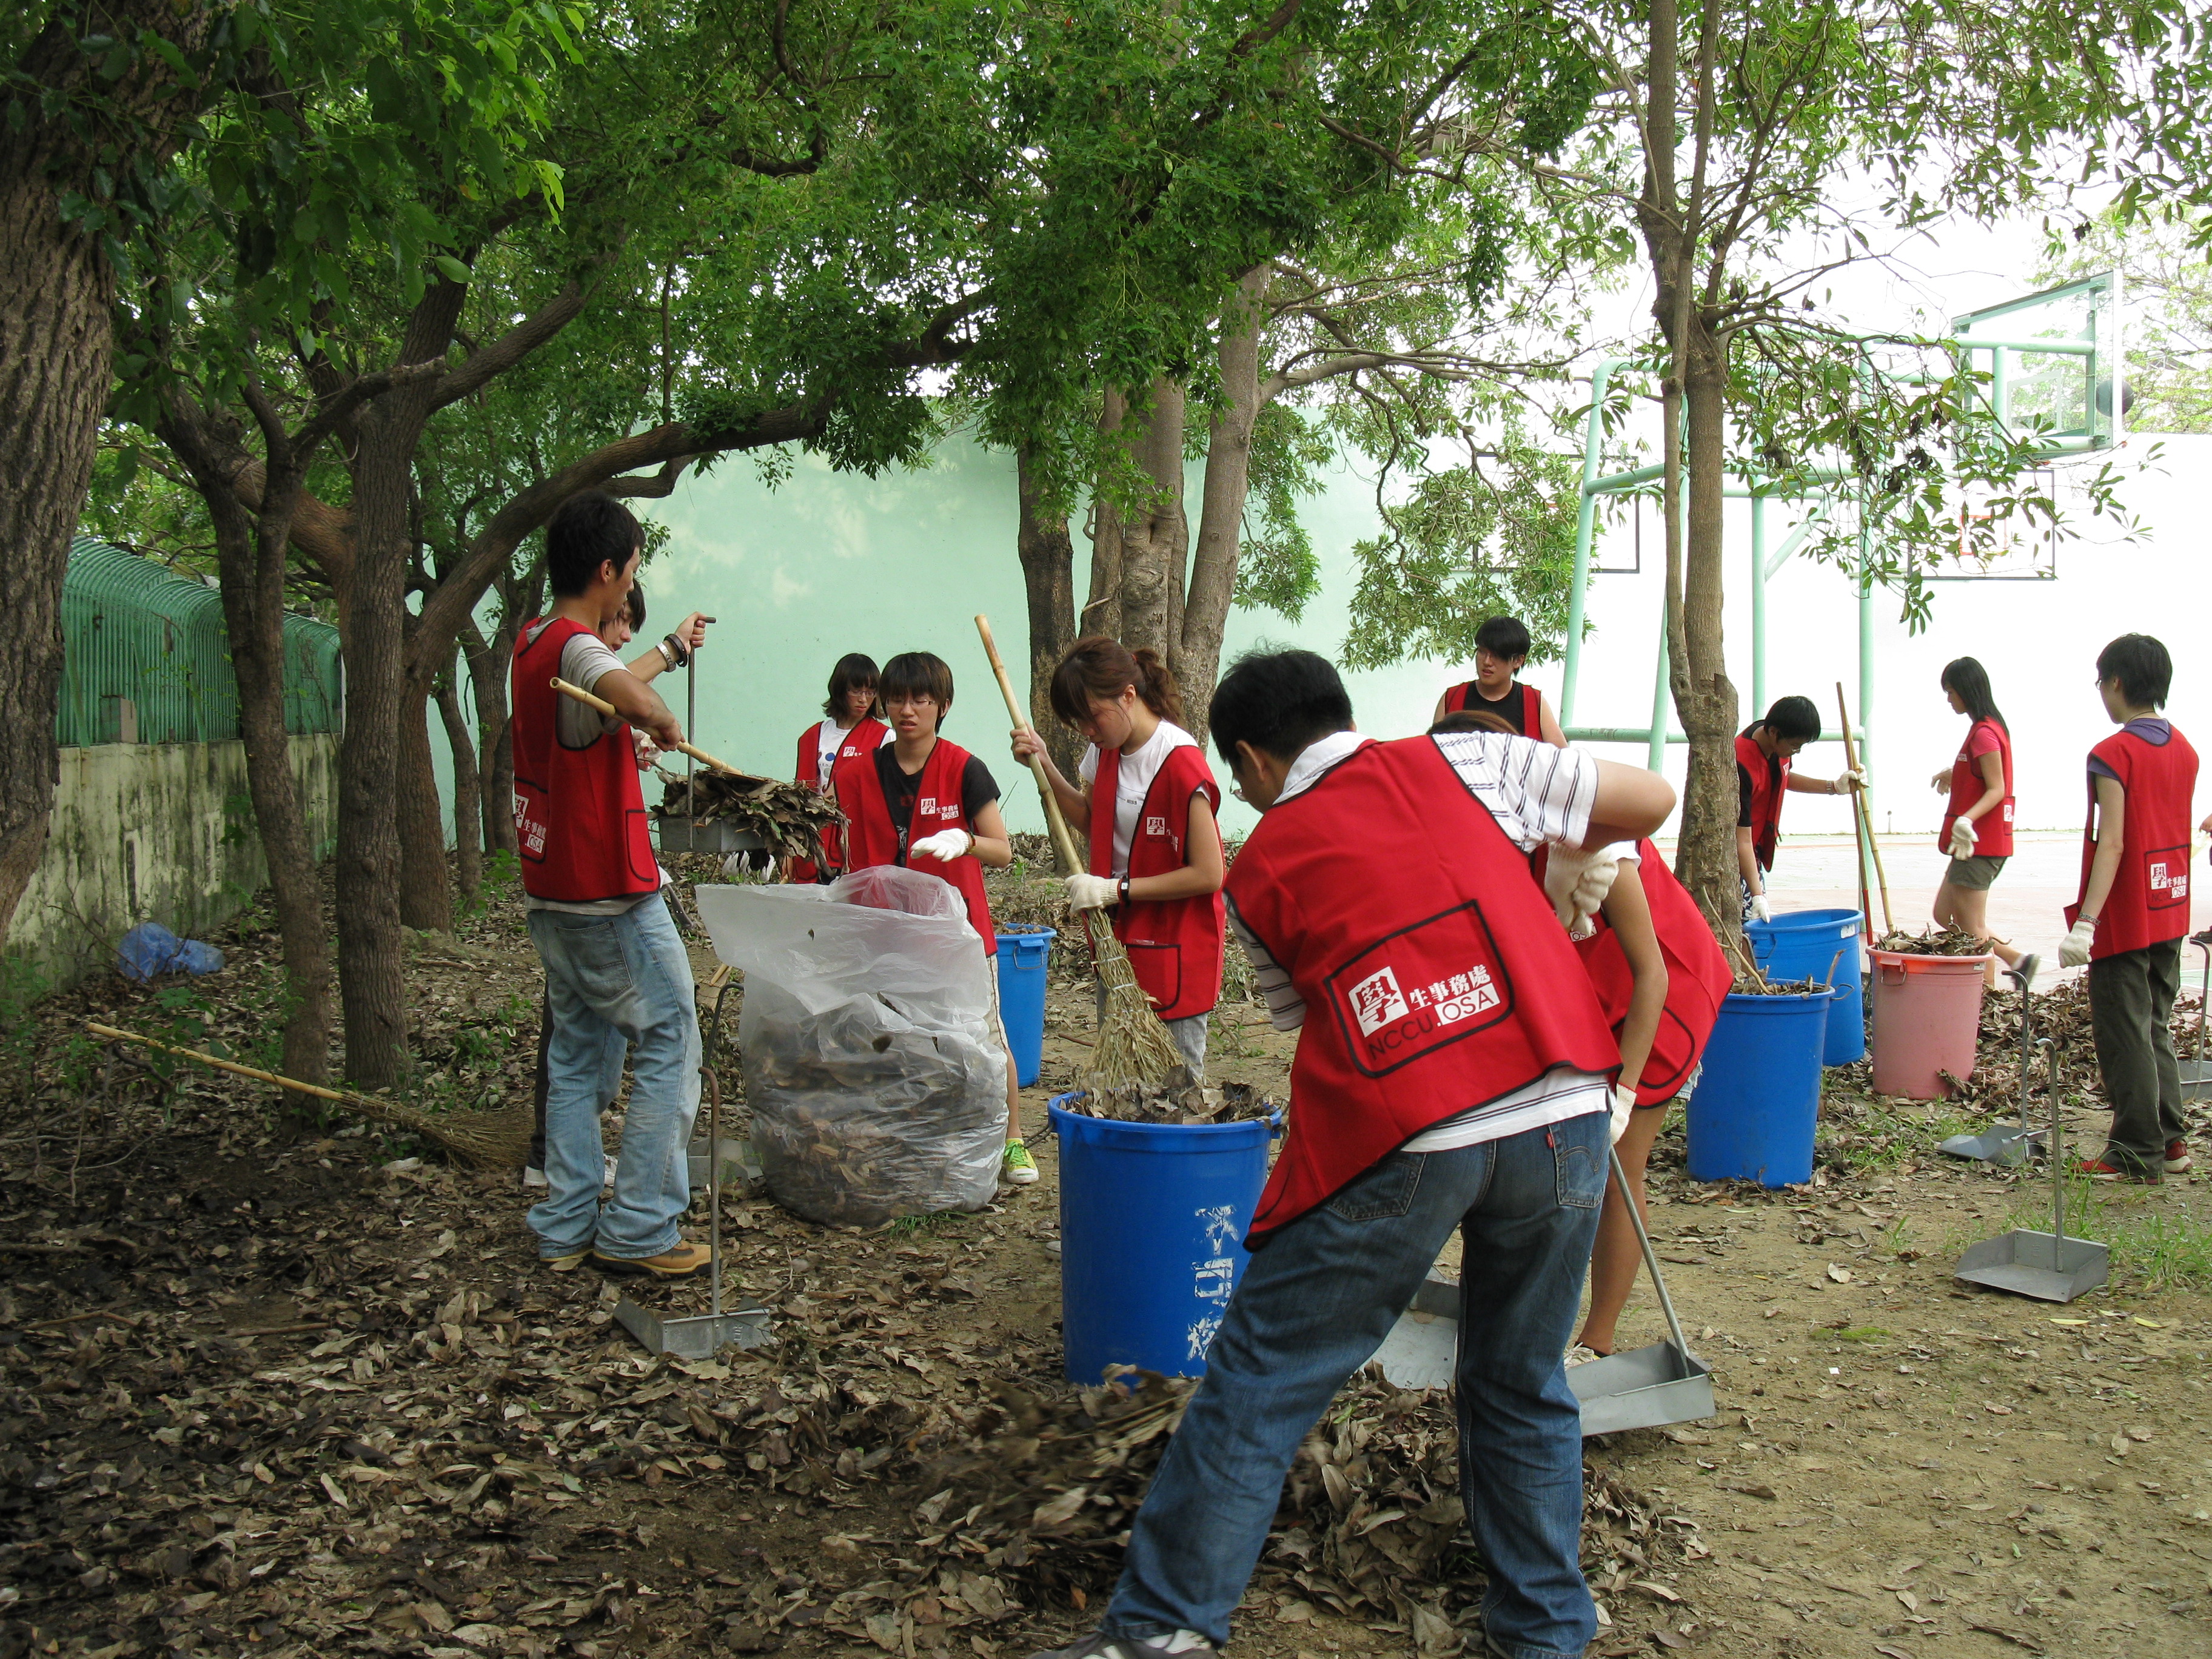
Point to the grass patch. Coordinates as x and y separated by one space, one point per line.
2165 1247
938 1221
1864 1334
1865 1133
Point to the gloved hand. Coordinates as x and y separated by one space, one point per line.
1576 882
945 846
1087 892
1760 911
1962 839
1623 1104
1852 778
2075 951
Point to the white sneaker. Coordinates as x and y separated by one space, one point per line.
533 1179
1579 1355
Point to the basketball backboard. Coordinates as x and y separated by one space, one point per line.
2053 365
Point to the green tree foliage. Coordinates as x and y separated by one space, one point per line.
2166 275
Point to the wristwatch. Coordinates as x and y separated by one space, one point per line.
1125 890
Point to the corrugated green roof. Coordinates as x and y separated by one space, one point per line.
145 658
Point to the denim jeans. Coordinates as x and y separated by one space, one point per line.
618 1056
1316 1302
610 978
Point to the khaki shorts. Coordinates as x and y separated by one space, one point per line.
1973 875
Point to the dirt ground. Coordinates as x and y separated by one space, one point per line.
262 1390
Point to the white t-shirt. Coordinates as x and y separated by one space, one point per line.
1133 780
1538 794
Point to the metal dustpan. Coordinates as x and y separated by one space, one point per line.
2197 1074
2049 1267
1645 1387
697 1336
1422 1350
2011 1144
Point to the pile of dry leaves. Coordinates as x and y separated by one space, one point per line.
789 817
1932 942
1185 1102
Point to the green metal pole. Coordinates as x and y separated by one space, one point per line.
1758 605
1585 532
1655 755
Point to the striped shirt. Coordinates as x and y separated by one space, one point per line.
1538 794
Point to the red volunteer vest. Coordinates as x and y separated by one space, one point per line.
2149 901
1174 945
1435 978
579 814
1698 977
871 839
1526 708
860 740
1993 829
1766 794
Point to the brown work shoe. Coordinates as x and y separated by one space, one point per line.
679 1260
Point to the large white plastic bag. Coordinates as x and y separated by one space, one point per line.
872 1063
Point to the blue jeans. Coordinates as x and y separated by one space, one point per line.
607 979
1316 1302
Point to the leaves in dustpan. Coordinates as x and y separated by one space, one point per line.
789 817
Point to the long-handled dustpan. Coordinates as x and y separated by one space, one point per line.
2010 1145
696 1336
2197 1074
1645 1387
2049 1267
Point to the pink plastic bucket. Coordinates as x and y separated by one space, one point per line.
1927 1012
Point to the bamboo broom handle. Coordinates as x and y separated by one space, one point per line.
1063 844
1865 813
293 1084
613 714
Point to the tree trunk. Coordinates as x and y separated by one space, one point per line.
494 765
56 338
1704 697
1197 659
468 791
426 886
1156 541
251 563
1102 607
1048 555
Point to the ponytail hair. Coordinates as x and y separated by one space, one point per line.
1971 682
1097 669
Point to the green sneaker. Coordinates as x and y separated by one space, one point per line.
1019 1169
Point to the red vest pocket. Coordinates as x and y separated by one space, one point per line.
637 835
1420 990
532 819
1158 969
2165 877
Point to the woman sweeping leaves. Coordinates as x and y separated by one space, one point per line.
1977 824
1149 799
848 727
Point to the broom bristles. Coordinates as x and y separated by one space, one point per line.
1134 1049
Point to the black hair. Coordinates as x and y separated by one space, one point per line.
637 607
1971 682
918 674
1279 701
1503 636
2142 667
853 668
1473 720
588 530
1794 717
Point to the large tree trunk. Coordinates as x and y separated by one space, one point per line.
494 766
251 562
1101 605
426 888
1197 659
1704 697
1155 540
56 292
1048 555
468 791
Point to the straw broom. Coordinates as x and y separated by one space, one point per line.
1134 1050
495 1141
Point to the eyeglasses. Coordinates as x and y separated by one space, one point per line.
1237 790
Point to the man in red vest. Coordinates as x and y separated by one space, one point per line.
1763 751
614 968
2134 908
1453 1069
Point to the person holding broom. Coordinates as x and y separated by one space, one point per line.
1149 800
614 968
1453 1069
1976 829
1763 751
924 804
848 727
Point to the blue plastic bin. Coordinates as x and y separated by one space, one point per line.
1751 1117
1811 944
1151 1224
1025 953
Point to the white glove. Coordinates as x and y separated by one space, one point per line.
1576 882
2075 951
1087 892
1623 1104
1962 839
945 846
1760 909
1852 778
